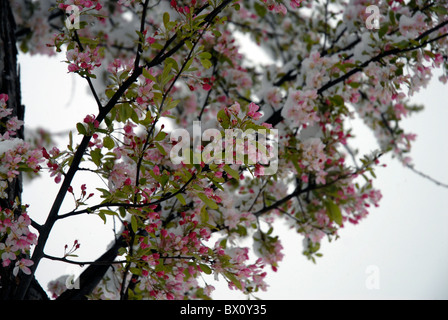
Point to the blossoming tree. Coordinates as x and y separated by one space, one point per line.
155 66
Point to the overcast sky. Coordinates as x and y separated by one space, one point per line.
402 246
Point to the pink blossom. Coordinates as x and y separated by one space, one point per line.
8 251
235 108
252 112
295 3
3 98
91 119
13 124
23 265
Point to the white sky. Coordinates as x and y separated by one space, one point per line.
405 240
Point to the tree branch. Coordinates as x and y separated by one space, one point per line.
128 205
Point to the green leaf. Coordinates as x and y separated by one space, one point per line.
181 199
173 63
440 10
337 100
171 104
205 268
166 19
205 55
135 271
160 136
122 212
260 9
81 129
166 75
108 212
392 17
108 142
233 173
134 224
206 63
70 141
160 148
334 212
234 280
102 216
147 75
96 156
204 214
212 204
402 44
383 30
354 85
223 119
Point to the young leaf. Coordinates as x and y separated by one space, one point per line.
96 156
205 268
181 199
223 119
204 214
134 224
207 201
234 280
166 19
233 173
334 212
81 129
160 136
108 142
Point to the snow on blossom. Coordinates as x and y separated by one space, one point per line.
274 97
8 145
299 108
58 286
231 218
122 174
4 111
410 27
315 235
268 249
313 158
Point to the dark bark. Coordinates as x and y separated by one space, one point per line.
10 84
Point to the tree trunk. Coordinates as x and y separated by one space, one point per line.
10 84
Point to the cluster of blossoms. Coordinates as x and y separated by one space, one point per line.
16 240
412 26
316 69
279 7
313 159
15 154
299 108
81 4
12 124
86 60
